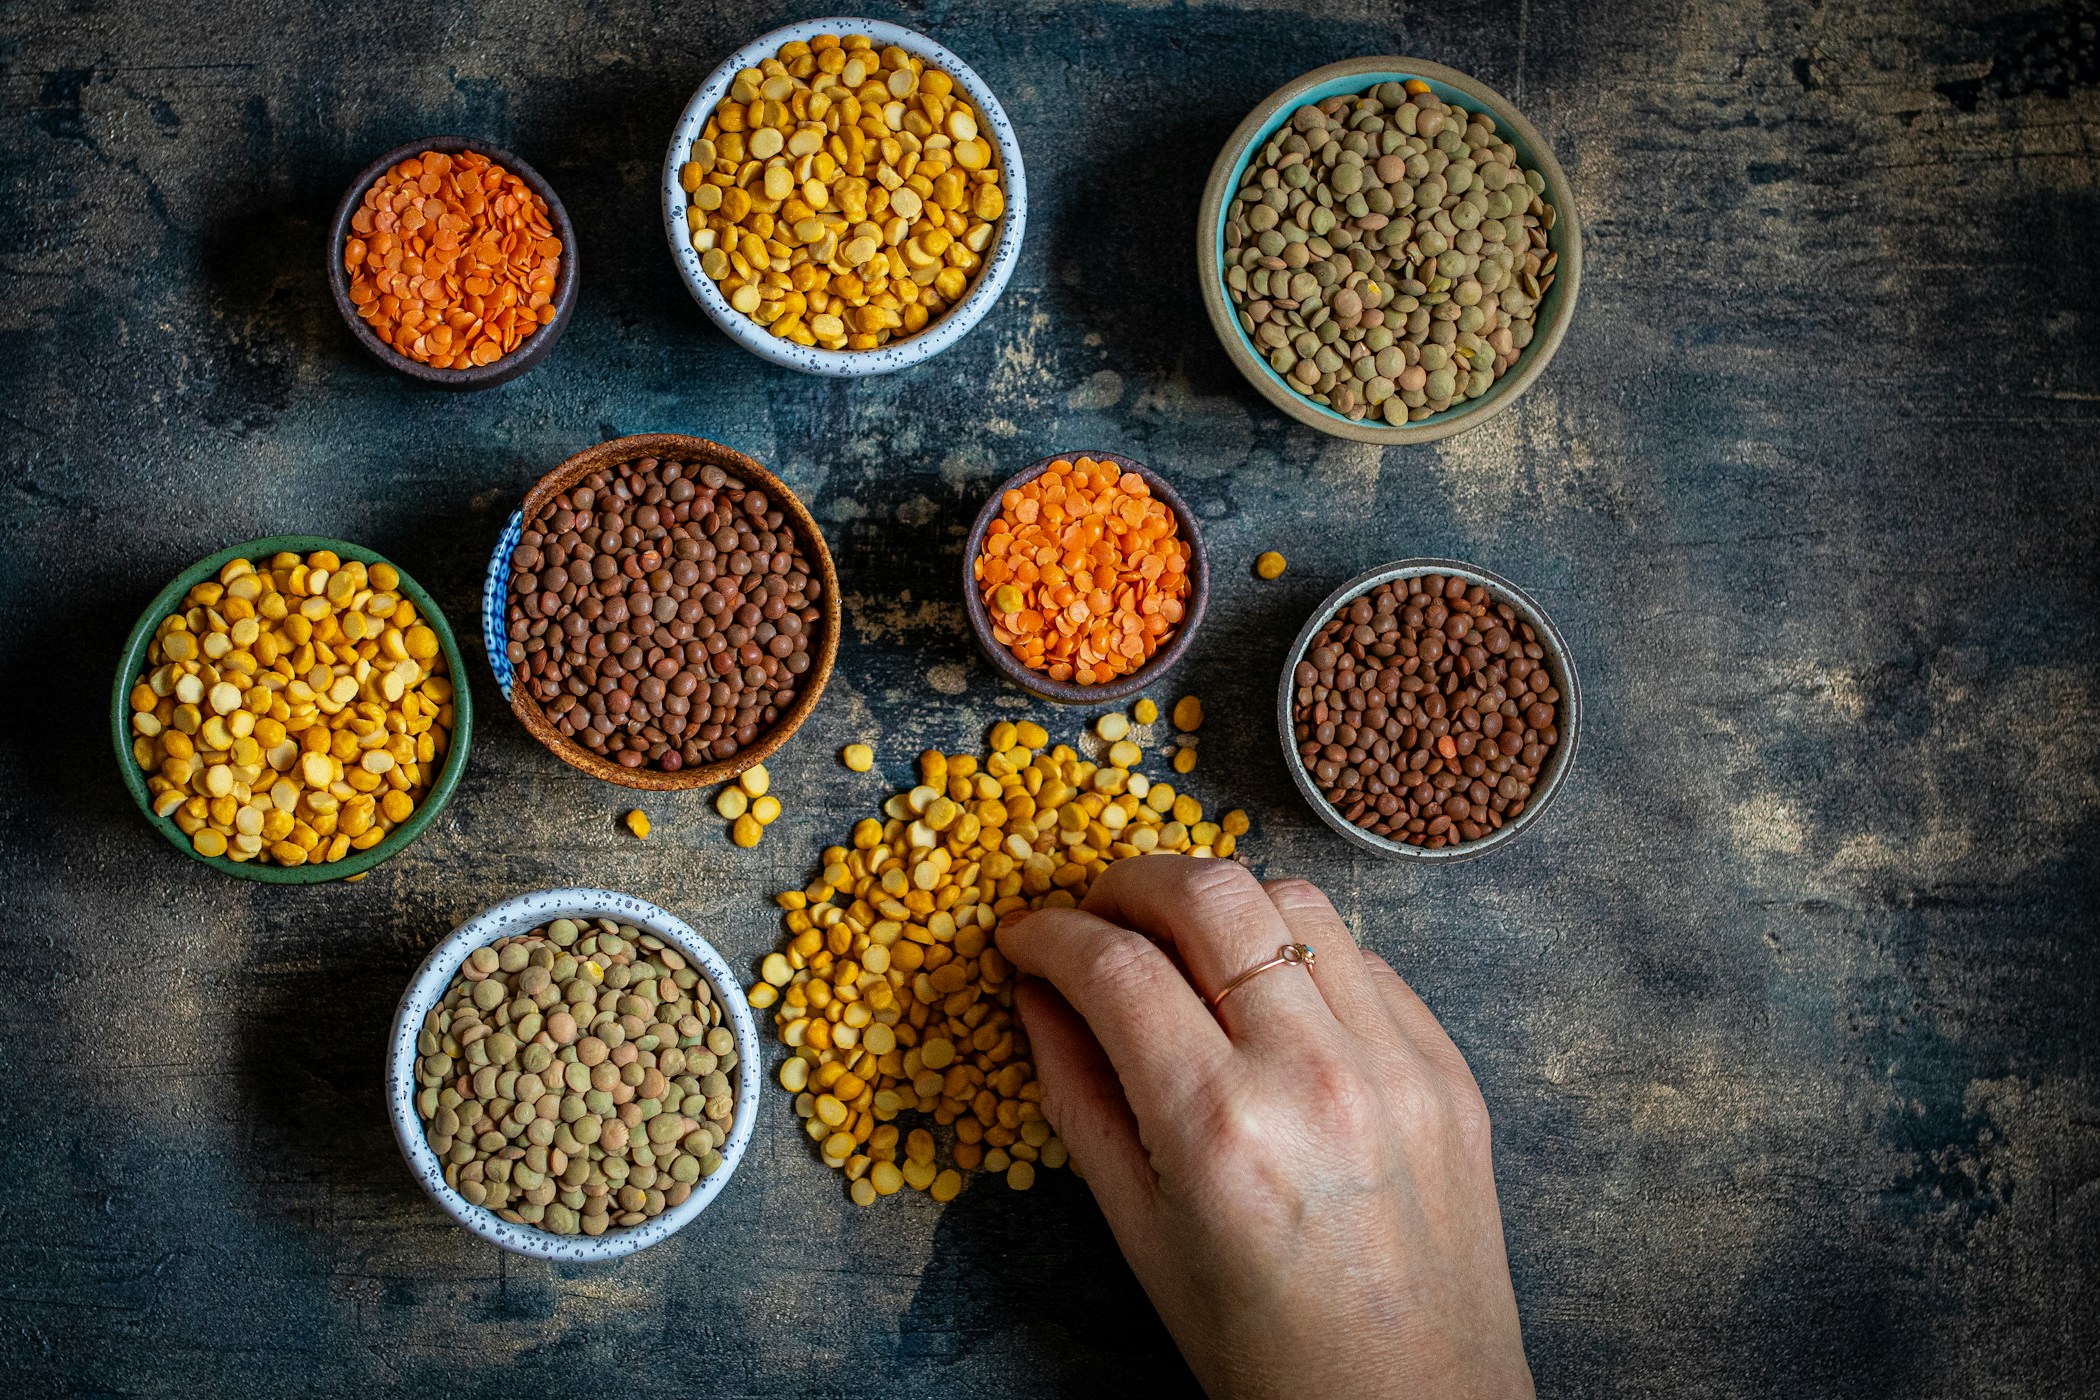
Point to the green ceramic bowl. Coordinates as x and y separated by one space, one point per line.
133 664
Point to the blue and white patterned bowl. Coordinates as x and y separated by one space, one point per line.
495 603
522 915
898 354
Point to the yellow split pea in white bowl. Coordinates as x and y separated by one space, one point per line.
844 197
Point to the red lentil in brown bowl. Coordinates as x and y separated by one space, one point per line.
672 613
1429 711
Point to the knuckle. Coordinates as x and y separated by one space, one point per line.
1236 1122
1295 892
1116 963
1341 1101
1437 1106
1469 1115
1221 888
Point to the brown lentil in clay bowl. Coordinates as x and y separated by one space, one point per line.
1429 711
672 615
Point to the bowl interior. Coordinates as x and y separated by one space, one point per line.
992 276
521 915
496 610
530 351
1559 662
132 663
1534 156
1164 660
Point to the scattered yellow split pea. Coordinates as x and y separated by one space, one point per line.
745 831
1144 711
638 823
859 757
766 810
1185 760
1113 726
732 802
1269 565
1188 714
755 780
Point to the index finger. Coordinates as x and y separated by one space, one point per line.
1159 1037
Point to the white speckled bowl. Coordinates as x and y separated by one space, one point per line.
999 260
521 915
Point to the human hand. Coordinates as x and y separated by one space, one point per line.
1301 1181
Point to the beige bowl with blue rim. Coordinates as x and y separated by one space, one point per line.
1555 309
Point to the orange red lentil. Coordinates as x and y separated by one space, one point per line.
1083 572
452 260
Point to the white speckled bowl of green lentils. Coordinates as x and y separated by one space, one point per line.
586 1173
1388 250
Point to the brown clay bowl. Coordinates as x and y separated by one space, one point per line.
535 347
1163 660
700 452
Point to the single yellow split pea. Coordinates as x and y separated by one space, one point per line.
638 823
1268 565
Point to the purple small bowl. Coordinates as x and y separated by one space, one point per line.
535 347
1163 660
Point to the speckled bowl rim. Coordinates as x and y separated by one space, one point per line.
495 602
520 915
1560 661
1557 308
531 352
899 354
1163 660
132 662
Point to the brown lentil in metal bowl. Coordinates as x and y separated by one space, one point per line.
1429 710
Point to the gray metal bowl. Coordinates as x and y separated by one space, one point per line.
1560 664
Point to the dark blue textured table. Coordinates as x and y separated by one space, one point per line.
1786 1013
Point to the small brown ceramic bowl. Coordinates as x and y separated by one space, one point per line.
1163 660
533 349
699 452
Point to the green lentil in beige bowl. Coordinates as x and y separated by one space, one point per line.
1388 250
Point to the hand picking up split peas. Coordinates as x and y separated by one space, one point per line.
986 972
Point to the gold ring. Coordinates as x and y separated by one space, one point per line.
1289 953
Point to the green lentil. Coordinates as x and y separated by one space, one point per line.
553 1082
1441 231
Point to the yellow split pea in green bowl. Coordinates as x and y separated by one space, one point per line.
341 769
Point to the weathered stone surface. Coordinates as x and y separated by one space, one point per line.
1786 1013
